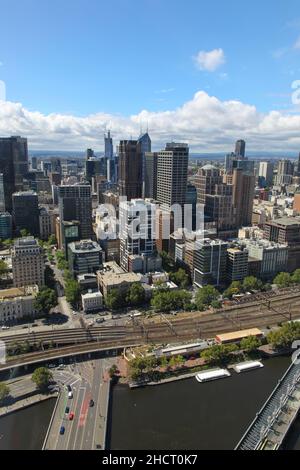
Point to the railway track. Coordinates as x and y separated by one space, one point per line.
269 311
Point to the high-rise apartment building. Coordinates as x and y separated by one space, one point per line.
26 212
75 203
13 166
28 264
216 197
130 169
137 233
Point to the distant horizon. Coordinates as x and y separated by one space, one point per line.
216 155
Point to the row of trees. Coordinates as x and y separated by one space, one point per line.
142 368
286 279
284 336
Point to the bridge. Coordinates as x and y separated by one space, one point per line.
272 423
54 354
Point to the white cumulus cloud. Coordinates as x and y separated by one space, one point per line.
210 60
206 123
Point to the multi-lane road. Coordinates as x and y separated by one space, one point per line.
87 430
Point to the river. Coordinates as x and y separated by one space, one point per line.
190 415
179 415
26 429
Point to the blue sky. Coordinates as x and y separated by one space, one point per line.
123 56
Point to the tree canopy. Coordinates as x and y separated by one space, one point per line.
284 337
282 280
4 391
45 300
205 296
135 294
42 377
166 300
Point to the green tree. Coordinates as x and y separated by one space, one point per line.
4 391
296 276
115 299
216 304
3 267
219 353
135 294
282 280
284 336
206 295
42 377
72 292
52 240
45 300
252 283
234 289
250 344
113 371
168 263
166 300
24 232
180 278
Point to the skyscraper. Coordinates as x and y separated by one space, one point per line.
109 157
145 142
13 165
130 169
240 148
266 172
150 175
137 235
2 197
108 146
26 212
75 203
243 185
172 166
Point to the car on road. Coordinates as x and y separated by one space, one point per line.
70 395
71 416
5 327
67 410
92 403
62 430
69 388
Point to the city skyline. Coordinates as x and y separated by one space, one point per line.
204 86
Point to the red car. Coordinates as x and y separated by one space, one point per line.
71 416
